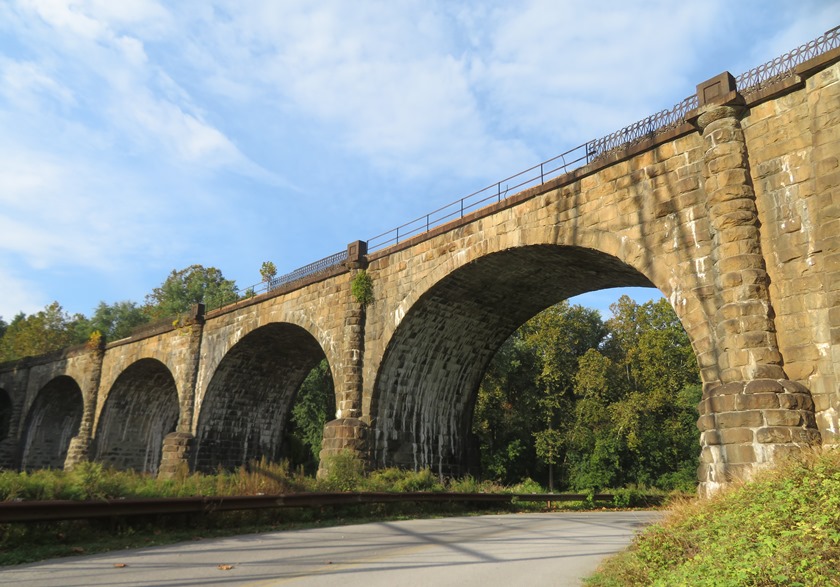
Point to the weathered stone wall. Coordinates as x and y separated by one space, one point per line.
140 409
13 383
445 304
54 419
794 147
734 215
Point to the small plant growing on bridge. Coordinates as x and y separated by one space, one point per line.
94 340
362 288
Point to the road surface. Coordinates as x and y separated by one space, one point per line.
554 549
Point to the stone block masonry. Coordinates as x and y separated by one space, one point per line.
733 214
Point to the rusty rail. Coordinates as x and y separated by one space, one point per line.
44 511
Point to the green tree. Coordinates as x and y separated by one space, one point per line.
636 408
524 405
268 271
559 336
314 406
185 287
609 403
506 413
116 321
47 330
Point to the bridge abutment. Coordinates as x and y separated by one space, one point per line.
754 413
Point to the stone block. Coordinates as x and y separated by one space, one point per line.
773 434
710 437
795 401
736 436
757 401
764 386
749 419
783 417
739 453
706 422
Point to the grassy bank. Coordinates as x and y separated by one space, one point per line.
781 529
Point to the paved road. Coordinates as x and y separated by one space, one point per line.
554 549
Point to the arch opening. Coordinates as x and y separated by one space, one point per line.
141 409
424 395
245 412
53 420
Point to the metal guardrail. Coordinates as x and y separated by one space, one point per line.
644 129
783 66
536 175
44 511
320 266
749 82
649 127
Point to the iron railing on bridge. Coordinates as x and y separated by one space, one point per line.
749 82
757 78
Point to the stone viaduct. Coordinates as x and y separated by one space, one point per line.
729 205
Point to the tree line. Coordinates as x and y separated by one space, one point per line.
577 402
570 400
53 328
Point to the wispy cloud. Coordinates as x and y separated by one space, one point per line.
140 136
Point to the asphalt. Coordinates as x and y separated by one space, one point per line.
555 549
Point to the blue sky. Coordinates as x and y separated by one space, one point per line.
142 136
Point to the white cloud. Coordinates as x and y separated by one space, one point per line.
142 133
98 48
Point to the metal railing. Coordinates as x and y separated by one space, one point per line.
320 266
647 128
42 511
644 129
783 66
536 175
588 152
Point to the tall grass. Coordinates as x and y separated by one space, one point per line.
780 529
92 481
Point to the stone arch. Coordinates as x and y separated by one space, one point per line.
5 414
248 400
52 421
140 410
424 392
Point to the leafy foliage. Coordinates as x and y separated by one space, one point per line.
362 288
47 330
116 321
610 403
268 271
783 528
186 287
313 407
